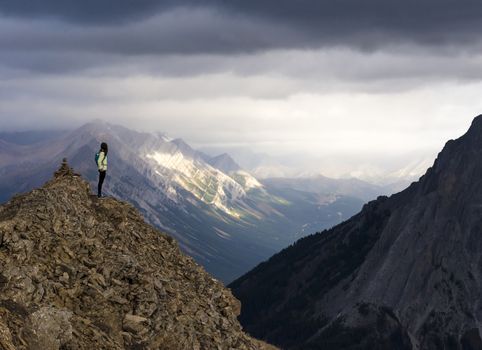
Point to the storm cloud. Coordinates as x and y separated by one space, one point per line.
66 35
240 25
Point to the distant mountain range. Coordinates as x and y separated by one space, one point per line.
220 214
391 175
405 273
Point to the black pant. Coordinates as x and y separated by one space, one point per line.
101 181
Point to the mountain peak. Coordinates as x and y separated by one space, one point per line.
183 147
477 123
473 134
225 163
79 272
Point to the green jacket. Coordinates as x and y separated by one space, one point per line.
102 161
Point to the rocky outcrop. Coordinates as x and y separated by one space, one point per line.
405 273
81 273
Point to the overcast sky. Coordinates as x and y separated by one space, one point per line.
364 82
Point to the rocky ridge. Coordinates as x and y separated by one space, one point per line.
81 273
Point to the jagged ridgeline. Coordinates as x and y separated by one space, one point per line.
82 273
405 273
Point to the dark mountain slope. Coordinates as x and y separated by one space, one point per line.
81 273
405 273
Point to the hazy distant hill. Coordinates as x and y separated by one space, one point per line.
29 137
324 185
221 215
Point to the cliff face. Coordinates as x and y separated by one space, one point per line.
405 273
81 273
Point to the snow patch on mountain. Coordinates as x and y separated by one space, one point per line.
245 179
206 183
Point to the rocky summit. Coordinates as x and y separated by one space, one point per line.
405 273
77 272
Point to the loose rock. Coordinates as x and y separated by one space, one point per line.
79 273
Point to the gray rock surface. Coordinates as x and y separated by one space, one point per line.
81 273
405 273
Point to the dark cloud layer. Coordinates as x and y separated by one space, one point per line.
59 36
312 23
86 11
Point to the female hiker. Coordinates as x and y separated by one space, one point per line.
101 159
